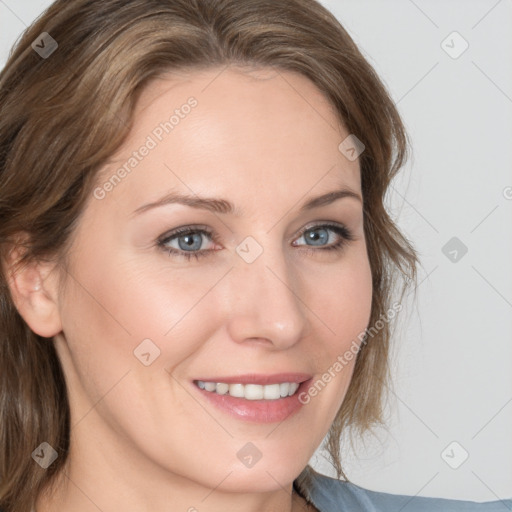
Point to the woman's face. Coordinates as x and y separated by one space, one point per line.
265 291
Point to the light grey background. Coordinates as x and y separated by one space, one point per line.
452 363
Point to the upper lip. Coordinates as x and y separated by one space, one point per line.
255 378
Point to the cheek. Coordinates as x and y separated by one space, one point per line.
112 308
343 305
342 300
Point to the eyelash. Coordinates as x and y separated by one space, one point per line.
345 236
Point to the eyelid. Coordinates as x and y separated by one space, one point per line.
185 229
324 224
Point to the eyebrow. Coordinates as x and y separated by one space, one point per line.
218 205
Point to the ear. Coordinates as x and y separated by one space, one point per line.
34 289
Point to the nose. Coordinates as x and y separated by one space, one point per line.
265 303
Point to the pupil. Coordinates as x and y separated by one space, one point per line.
189 241
315 237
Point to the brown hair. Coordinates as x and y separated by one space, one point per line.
63 115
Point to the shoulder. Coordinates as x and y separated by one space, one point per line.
332 495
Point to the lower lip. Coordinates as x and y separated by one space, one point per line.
259 411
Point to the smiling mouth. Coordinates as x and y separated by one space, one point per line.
250 391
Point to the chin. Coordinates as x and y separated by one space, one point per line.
260 478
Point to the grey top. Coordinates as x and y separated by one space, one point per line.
332 495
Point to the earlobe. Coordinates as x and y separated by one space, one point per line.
34 292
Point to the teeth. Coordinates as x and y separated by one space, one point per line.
271 392
222 388
251 391
236 390
209 386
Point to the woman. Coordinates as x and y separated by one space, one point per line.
195 258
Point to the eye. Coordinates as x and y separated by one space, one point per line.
319 236
188 240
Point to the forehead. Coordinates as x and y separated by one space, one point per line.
230 132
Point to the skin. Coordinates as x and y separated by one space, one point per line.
267 142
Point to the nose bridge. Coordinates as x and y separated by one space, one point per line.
266 303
